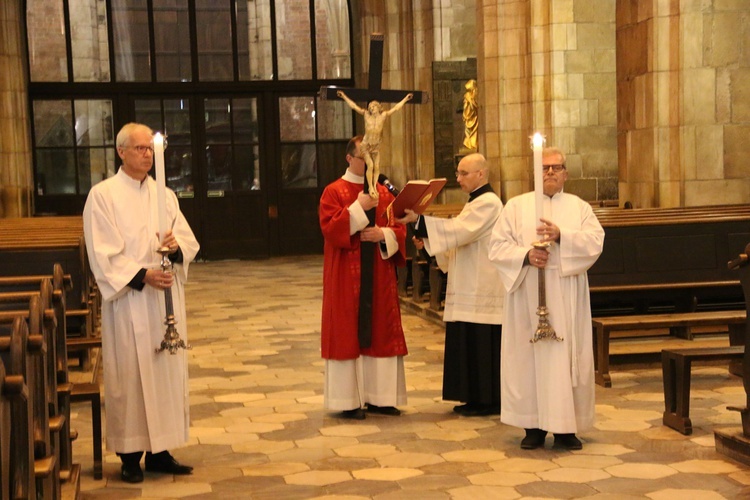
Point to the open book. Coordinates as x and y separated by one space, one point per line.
416 195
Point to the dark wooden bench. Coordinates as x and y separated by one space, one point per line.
604 326
36 436
676 365
66 392
13 392
424 278
31 245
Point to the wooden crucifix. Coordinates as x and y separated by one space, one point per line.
373 95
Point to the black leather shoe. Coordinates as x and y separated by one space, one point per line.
460 409
568 441
131 473
384 410
355 414
534 439
166 464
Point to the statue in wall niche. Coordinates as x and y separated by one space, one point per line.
369 147
470 116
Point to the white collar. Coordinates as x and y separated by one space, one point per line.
353 178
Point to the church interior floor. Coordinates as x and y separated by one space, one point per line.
259 430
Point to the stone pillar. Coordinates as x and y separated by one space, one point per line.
684 119
549 67
15 150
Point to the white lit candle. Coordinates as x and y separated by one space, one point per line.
161 184
537 142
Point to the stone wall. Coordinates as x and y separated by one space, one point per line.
549 67
15 148
684 103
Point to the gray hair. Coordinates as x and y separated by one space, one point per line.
554 151
123 136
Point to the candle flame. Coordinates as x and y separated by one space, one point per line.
537 140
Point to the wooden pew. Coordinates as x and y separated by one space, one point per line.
677 363
676 366
13 391
14 357
604 326
47 422
37 470
67 392
422 276
32 245
666 261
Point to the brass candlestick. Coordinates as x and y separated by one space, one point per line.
172 341
544 330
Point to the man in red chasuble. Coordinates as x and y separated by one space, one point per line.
358 378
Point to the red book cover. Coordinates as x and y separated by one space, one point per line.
417 196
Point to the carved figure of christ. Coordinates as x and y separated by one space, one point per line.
369 147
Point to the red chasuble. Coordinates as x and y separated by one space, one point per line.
341 279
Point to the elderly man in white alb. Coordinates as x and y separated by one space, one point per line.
547 386
146 392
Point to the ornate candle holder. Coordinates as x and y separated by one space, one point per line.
544 330
172 341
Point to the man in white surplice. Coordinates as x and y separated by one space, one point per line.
474 296
547 385
146 392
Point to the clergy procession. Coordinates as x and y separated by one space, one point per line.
488 252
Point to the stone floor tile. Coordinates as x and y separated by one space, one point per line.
502 478
262 446
705 466
587 461
386 474
523 465
275 469
673 493
476 492
326 442
349 430
410 460
641 471
448 435
478 456
318 478
366 450
573 475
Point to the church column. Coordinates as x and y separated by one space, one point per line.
504 82
649 89
15 150
549 67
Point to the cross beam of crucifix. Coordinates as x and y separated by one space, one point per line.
374 90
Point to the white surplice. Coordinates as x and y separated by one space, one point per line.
474 293
146 392
547 385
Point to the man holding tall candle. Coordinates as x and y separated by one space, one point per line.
547 386
146 392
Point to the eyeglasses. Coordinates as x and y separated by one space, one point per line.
555 168
142 149
464 173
